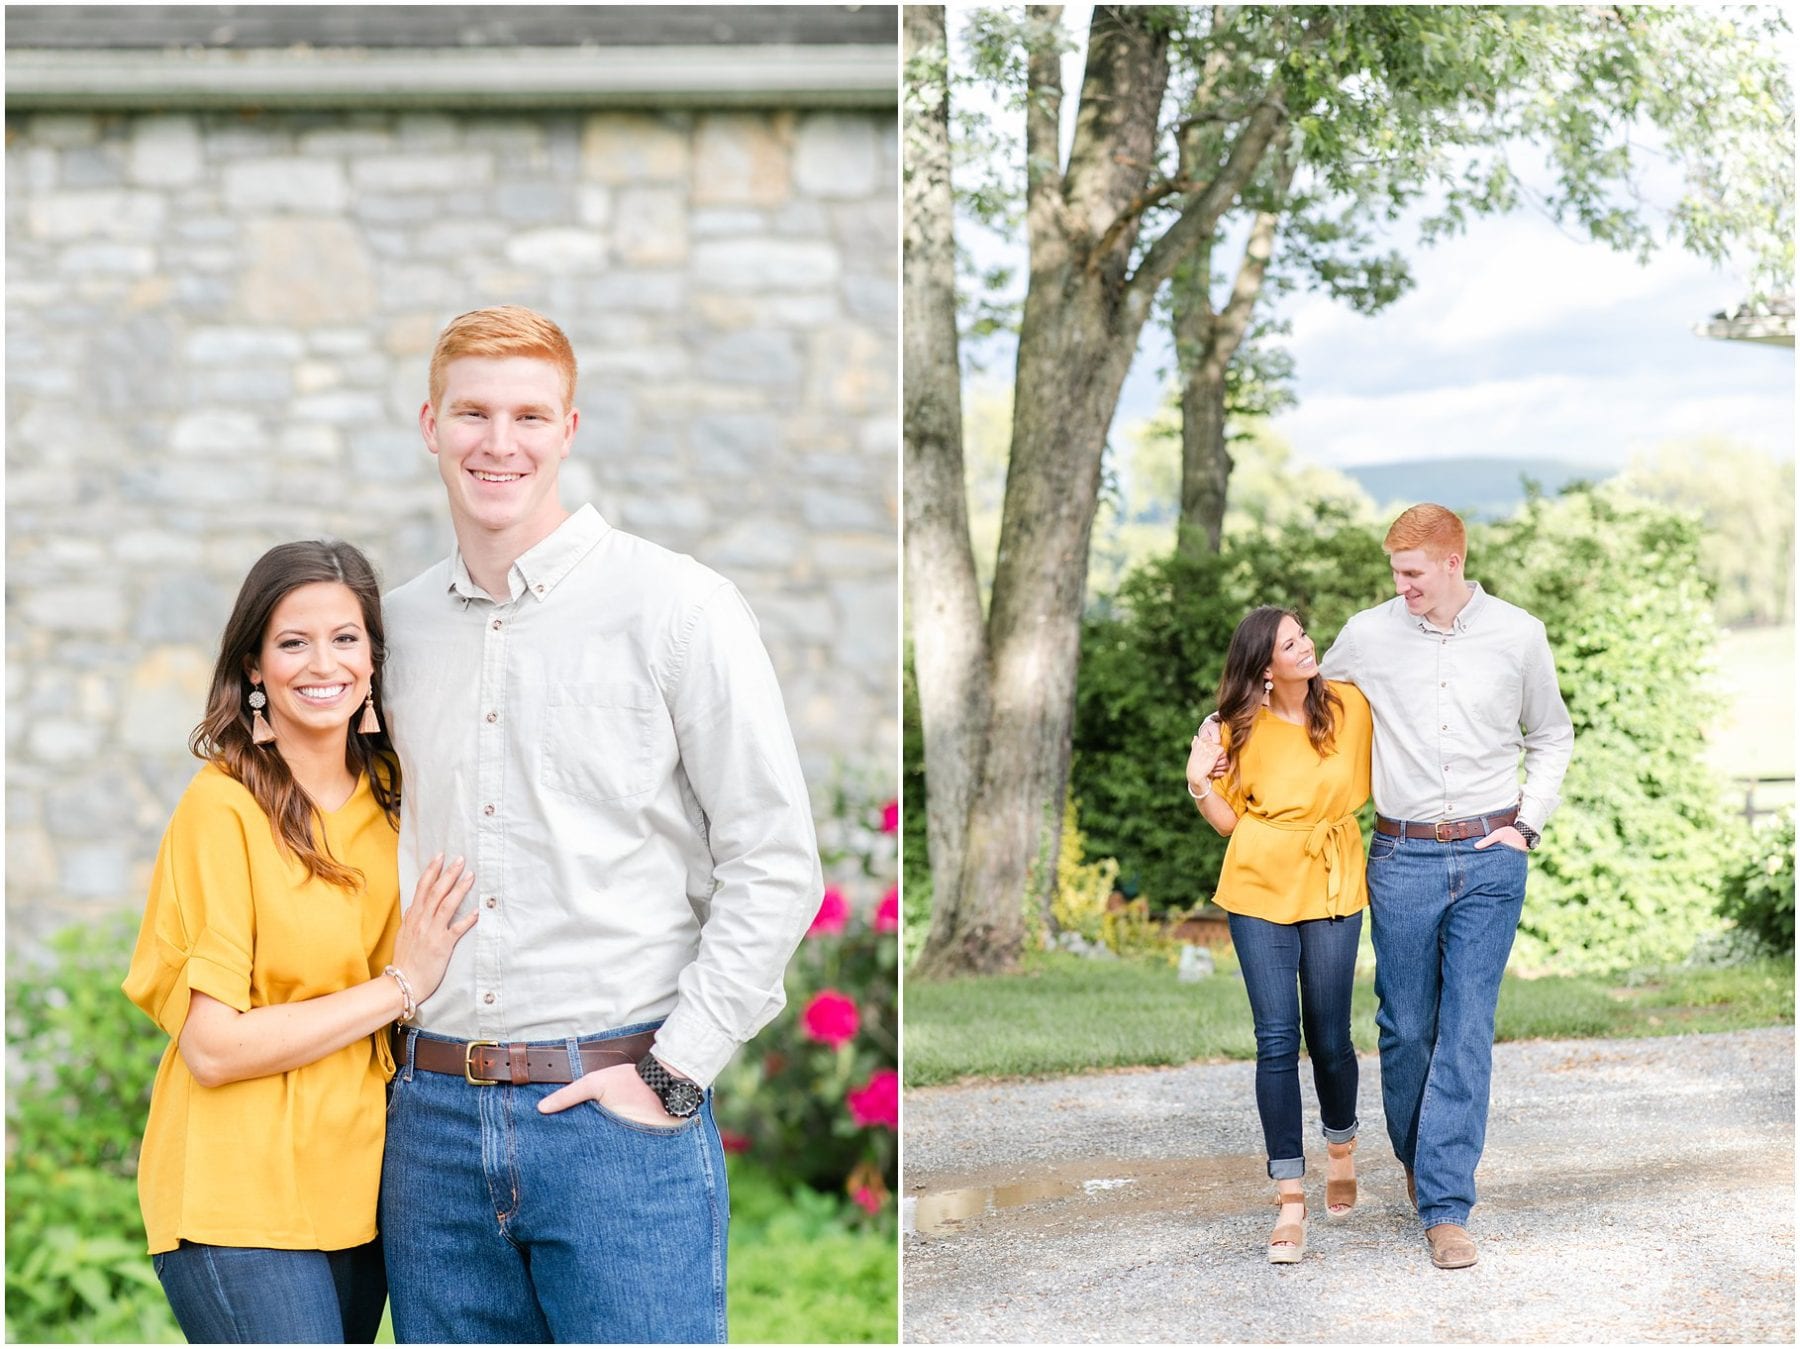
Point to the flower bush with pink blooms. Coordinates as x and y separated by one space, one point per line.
815 1098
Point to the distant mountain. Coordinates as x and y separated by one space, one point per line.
1484 489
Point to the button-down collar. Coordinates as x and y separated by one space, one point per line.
1465 616
538 571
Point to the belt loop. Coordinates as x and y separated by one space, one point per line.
411 1037
573 1046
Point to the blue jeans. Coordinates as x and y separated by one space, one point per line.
1317 958
504 1226
1444 919
256 1295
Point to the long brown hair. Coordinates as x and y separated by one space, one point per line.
1241 686
223 735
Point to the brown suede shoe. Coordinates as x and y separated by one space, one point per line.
1412 1191
1450 1246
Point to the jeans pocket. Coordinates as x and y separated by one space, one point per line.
653 1130
1382 846
156 1263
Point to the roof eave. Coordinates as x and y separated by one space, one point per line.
820 76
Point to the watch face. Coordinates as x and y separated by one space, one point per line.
682 1099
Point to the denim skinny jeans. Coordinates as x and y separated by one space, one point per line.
257 1295
1298 976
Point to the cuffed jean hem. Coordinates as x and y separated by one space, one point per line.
1287 1168
1340 1135
1444 1213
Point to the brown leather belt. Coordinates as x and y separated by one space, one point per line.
487 1063
1446 831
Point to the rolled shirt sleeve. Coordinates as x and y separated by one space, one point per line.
739 756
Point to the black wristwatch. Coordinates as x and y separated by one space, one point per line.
1529 834
680 1097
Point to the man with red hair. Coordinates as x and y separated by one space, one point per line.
592 722
1461 683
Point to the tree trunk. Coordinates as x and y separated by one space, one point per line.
1205 342
949 646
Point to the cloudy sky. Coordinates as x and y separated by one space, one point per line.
1518 339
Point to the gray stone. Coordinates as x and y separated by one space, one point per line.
165 151
306 272
63 130
623 148
55 740
428 131
97 870
87 806
761 358
760 542
348 406
385 455
315 186
201 484
347 141
93 166
801 220
741 159
636 292
734 445
557 251
232 346
74 608
156 546
382 209
228 384
826 508
873 299
532 202
422 172
456 238
311 442
764 264
835 155
205 229
650 228
340 341
95 213
182 607
217 432
671 518
728 223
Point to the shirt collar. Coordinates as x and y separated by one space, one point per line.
1465 618
539 570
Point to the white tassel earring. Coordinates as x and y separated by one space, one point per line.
260 732
370 723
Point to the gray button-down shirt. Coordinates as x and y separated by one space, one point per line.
1454 709
608 748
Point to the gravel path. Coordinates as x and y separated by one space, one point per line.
1635 1190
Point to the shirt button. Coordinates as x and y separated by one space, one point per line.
496 625
487 809
493 717
539 589
492 900
487 997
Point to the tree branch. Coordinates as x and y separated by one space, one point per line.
1203 210
1044 220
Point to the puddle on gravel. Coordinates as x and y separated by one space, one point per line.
951 1205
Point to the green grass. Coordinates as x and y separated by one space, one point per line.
1063 1014
798 1274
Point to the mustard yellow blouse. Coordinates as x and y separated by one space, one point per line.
292 1160
1296 853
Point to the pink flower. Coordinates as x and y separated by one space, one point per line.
867 1199
887 913
830 1018
890 817
877 1102
834 912
734 1142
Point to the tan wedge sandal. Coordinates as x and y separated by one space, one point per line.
1340 1195
1287 1243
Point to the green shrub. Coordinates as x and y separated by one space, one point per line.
792 1100
1628 874
1758 894
76 1268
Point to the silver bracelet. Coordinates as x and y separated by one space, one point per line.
407 1006
1199 796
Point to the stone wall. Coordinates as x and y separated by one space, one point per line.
218 327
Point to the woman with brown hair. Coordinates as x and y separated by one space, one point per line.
1295 749
274 954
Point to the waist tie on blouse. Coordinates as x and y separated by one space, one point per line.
1324 838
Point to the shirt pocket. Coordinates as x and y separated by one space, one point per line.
599 740
1492 695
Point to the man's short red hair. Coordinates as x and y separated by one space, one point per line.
1435 531
498 332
